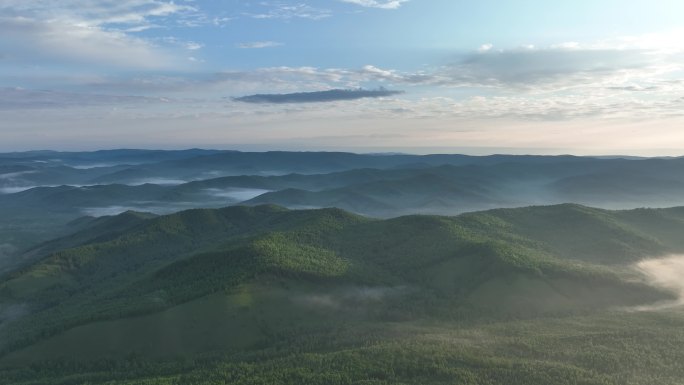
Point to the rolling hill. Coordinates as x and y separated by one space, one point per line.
316 293
402 185
463 264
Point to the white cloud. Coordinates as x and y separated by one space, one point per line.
193 46
95 12
549 68
566 45
33 39
485 47
530 70
94 31
291 11
259 44
568 81
386 4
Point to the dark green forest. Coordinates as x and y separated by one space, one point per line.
263 295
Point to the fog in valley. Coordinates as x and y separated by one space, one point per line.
666 273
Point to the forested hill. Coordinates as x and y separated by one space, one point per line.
515 262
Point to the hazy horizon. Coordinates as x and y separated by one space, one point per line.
472 151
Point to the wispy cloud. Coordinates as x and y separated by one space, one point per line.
22 99
31 40
270 79
485 47
285 11
96 12
579 80
193 46
549 68
626 78
95 31
386 4
259 44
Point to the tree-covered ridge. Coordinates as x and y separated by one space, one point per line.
164 261
241 278
40 195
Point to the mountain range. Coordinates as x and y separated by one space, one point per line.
216 267
240 278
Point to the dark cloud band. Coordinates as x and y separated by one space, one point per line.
317 96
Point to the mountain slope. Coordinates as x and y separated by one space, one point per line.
495 263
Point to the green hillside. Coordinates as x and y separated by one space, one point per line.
264 292
398 185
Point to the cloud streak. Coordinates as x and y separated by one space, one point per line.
387 4
78 31
21 99
316 96
548 68
259 44
284 11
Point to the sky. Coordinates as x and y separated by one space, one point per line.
419 76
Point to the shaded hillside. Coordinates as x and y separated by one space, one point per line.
420 192
495 263
474 183
444 189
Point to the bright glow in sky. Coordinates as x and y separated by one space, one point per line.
526 76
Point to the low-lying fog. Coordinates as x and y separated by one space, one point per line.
666 273
14 190
159 208
221 198
351 297
236 194
7 250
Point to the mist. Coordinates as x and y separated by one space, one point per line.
157 181
7 250
236 193
351 297
14 190
149 207
666 273
14 175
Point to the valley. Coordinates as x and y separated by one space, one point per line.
207 281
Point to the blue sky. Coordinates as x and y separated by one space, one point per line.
526 76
